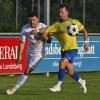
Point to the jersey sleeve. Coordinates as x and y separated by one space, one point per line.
52 28
44 25
80 25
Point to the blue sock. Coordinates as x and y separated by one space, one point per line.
61 74
75 76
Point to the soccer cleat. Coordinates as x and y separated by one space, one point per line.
10 91
55 89
83 86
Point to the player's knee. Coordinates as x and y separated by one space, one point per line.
63 62
70 72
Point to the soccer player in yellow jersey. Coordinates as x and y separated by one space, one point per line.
68 47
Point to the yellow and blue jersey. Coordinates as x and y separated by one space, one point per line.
59 30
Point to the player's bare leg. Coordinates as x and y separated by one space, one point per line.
21 80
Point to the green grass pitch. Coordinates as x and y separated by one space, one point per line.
36 87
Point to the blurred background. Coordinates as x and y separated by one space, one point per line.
13 13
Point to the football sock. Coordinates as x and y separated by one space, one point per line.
80 81
75 76
21 80
59 83
61 74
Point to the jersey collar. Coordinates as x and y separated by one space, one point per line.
64 20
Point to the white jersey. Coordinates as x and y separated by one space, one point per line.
32 48
34 52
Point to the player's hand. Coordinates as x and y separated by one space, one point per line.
45 35
35 41
34 31
86 48
18 59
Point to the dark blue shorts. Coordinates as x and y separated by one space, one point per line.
69 54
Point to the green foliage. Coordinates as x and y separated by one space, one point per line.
8 13
7 19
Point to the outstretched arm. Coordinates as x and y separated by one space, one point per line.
85 40
20 50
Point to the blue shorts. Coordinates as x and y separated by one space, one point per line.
69 54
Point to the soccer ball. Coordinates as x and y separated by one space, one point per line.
72 29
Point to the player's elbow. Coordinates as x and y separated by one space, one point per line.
49 39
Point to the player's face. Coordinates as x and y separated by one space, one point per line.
33 21
63 13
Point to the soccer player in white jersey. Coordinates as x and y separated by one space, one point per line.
35 51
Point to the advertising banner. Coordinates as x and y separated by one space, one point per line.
85 61
8 55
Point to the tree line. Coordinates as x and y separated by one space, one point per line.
8 13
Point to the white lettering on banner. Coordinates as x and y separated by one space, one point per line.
77 64
11 66
55 63
54 49
7 52
91 50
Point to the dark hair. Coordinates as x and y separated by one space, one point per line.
32 14
66 7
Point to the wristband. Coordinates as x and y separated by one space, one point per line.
86 41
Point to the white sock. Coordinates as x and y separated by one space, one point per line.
21 80
59 83
80 80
